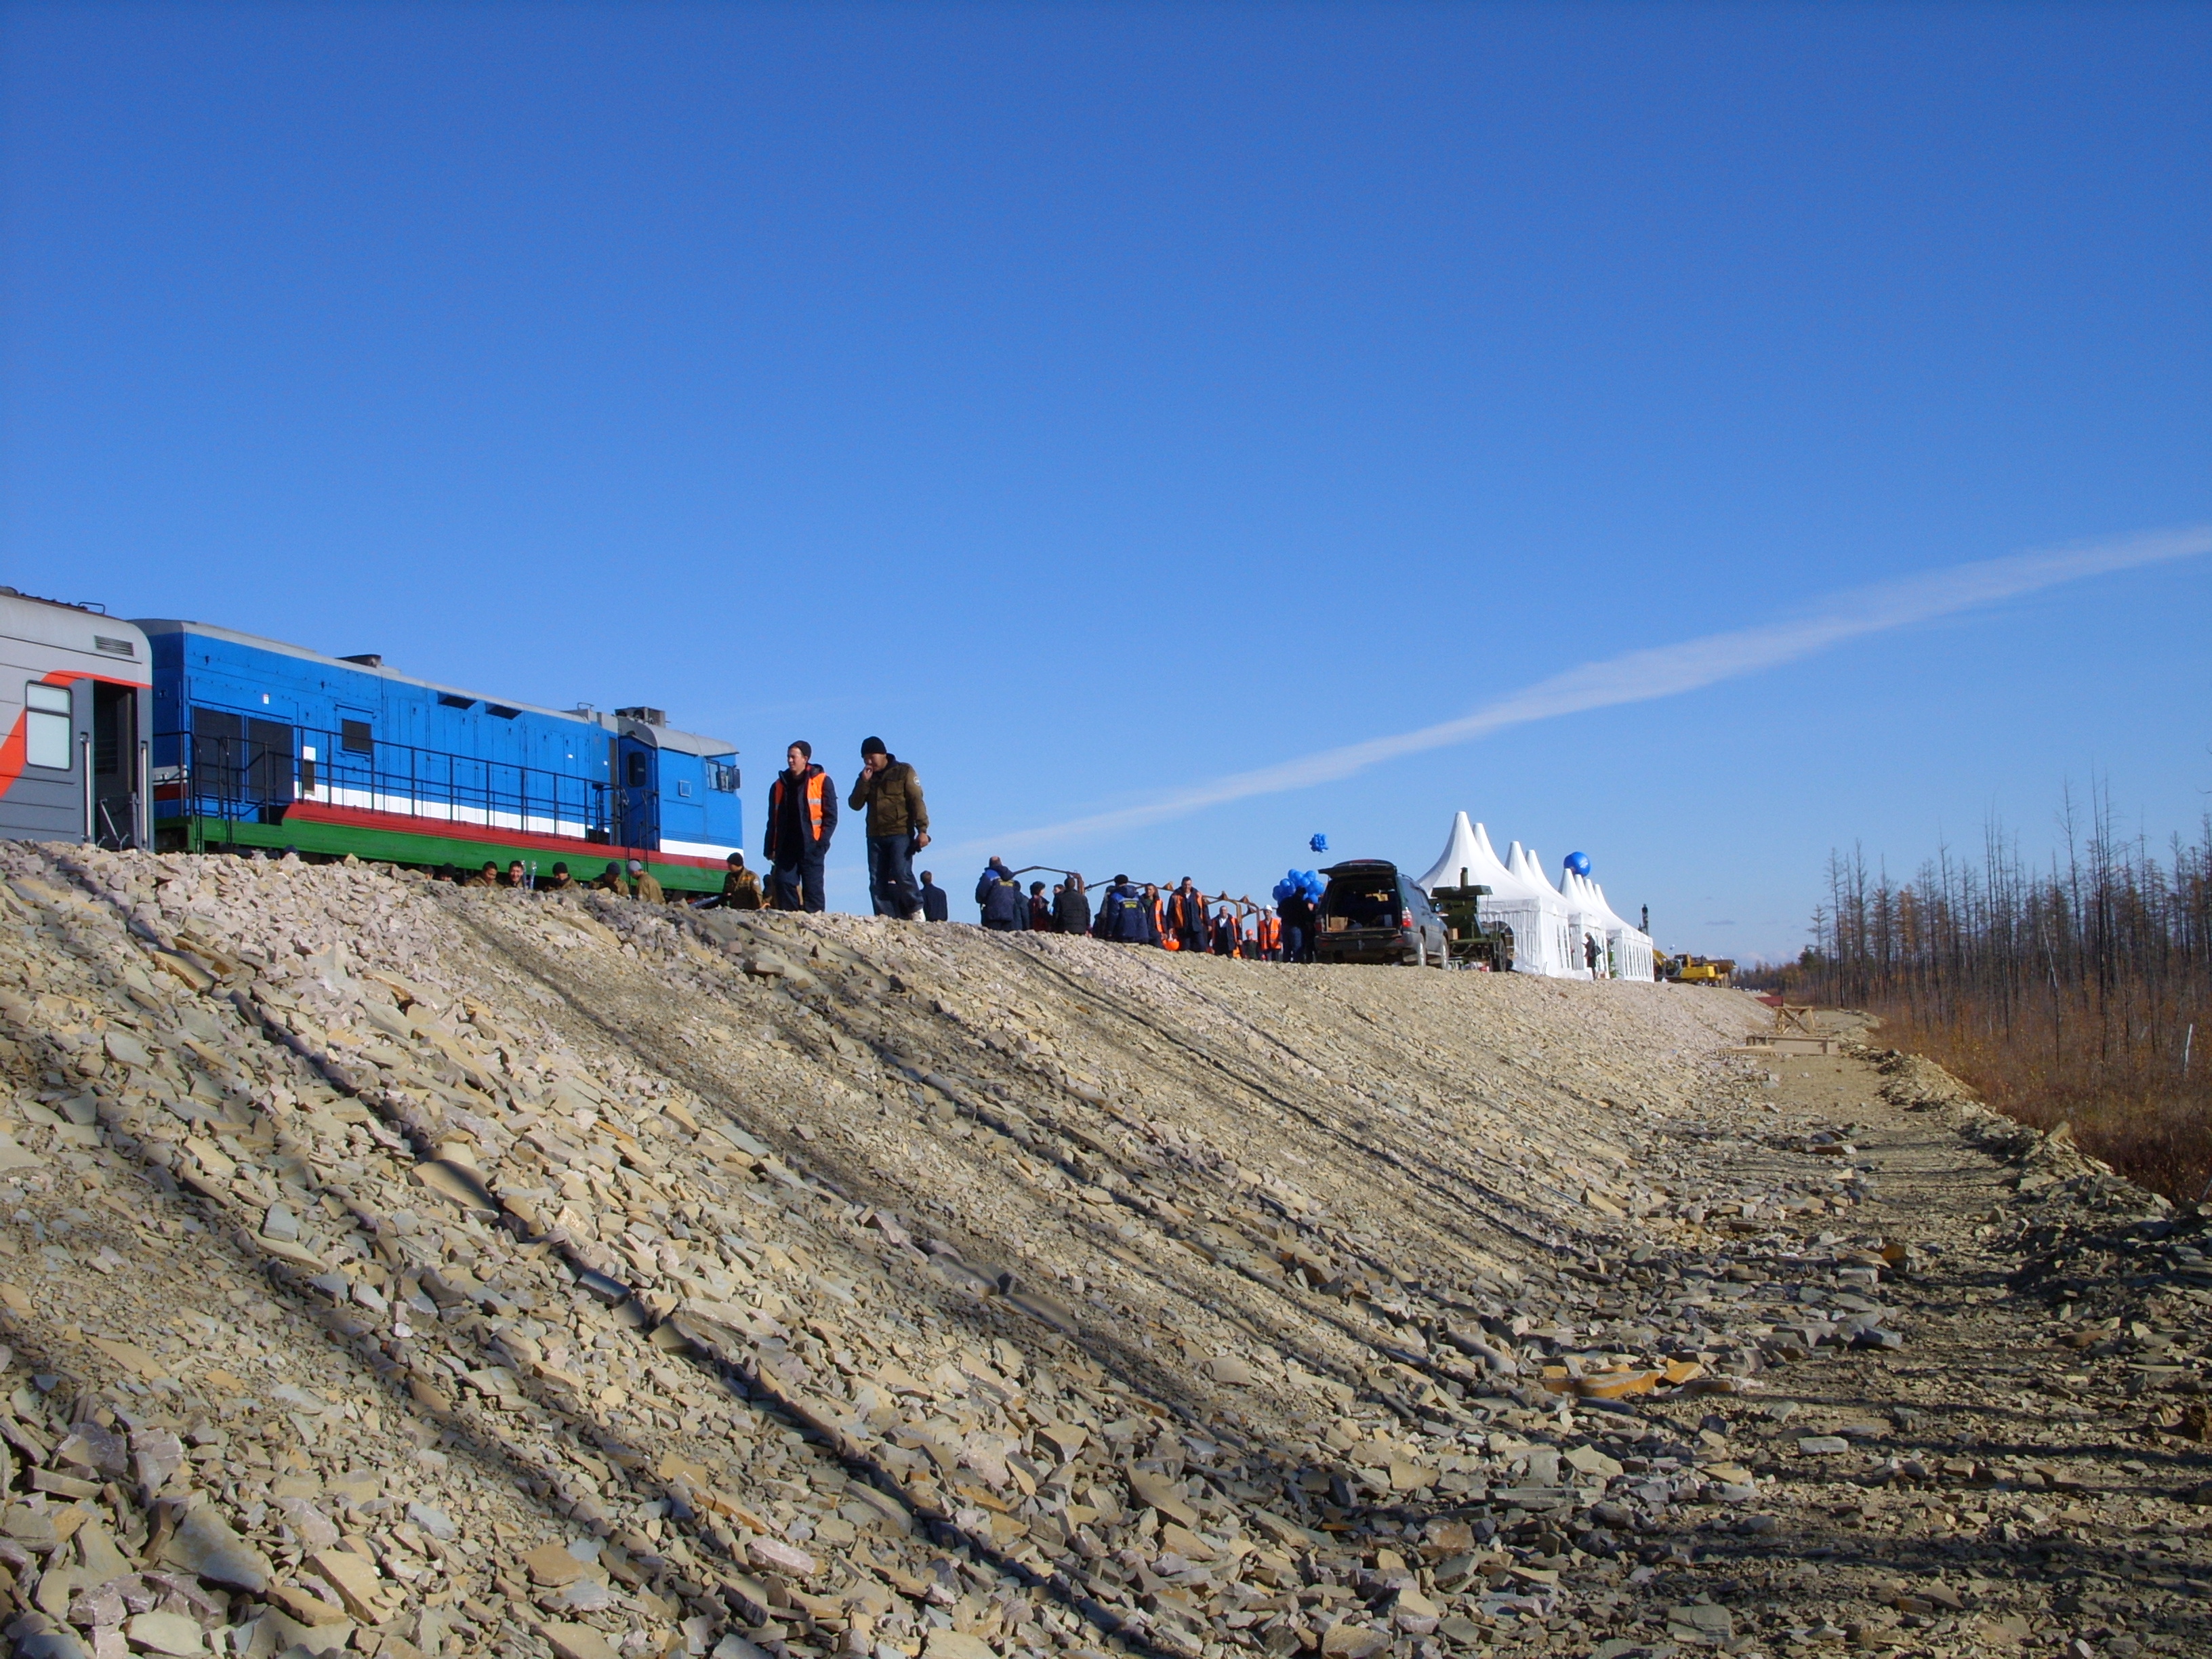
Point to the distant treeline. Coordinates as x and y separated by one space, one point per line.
2074 989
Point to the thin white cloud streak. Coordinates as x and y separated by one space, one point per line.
1662 672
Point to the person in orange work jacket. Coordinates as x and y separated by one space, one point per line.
1156 907
1271 937
1186 919
802 815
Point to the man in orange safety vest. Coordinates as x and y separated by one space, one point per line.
802 815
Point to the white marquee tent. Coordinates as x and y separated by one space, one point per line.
1549 923
1628 948
1535 911
1589 918
1573 960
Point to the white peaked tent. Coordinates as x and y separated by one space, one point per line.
1548 923
1632 952
1463 852
1569 959
1539 922
1628 948
1588 918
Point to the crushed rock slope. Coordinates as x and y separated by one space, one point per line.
435 1270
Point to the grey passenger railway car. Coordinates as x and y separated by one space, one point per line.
76 705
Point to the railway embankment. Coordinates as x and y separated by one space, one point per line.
407 1270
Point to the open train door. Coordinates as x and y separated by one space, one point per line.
637 793
118 765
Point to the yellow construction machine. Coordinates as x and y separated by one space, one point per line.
1689 969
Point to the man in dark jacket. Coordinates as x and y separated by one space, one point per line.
1004 909
802 815
935 907
898 827
1071 910
1187 917
1298 914
1125 917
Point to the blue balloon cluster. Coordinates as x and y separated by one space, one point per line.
1307 882
1578 862
1319 843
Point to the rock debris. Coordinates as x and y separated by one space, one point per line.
409 1271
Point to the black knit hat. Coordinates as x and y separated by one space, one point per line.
872 746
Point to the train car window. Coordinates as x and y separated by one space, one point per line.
354 738
637 769
46 727
721 778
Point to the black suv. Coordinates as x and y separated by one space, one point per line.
1371 913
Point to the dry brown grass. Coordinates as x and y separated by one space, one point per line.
2136 1111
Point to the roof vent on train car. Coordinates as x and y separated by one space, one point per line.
650 716
367 660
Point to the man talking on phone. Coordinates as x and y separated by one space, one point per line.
897 827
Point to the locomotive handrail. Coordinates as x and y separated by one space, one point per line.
233 777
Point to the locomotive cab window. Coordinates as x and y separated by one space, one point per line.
722 779
46 727
637 769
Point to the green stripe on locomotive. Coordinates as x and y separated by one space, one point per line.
427 851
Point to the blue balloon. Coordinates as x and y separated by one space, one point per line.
1319 843
1578 862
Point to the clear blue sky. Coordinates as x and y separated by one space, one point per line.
1093 400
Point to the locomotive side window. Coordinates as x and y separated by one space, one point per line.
354 738
46 727
637 769
722 778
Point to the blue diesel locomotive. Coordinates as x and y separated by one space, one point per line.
260 743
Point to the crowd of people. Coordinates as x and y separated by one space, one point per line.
802 819
1129 913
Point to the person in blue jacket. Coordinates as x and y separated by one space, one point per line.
1005 907
1125 917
